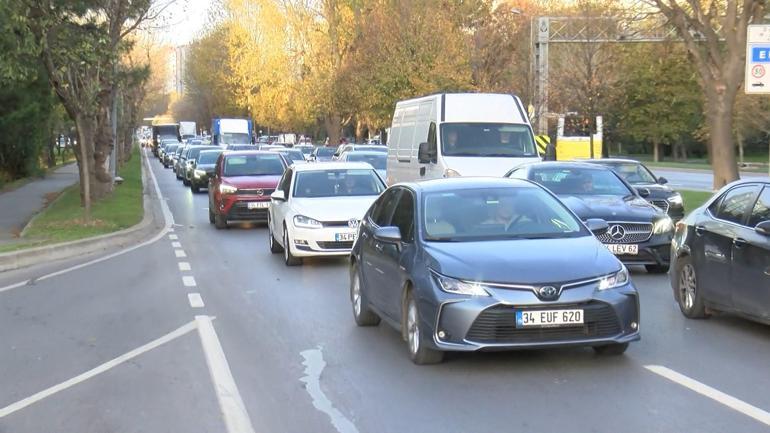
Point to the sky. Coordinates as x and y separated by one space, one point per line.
185 19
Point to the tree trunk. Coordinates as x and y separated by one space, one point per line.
332 124
656 151
85 139
359 131
739 139
721 143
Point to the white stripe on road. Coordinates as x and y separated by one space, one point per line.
98 370
180 253
234 411
314 365
184 266
173 237
176 245
195 300
188 281
714 394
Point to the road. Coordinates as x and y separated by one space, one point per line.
117 347
698 180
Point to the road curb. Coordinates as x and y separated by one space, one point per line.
152 222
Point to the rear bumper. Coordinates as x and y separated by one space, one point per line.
236 208
656 251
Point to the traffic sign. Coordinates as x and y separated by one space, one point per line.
757 59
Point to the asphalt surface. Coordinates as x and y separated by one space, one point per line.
20 205
698 180
301 365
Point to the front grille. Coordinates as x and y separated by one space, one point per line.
345 245
634 233
240 211
662 204
498 325
256 191
335 223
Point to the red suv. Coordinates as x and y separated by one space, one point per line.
240 187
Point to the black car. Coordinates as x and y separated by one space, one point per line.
639 232
322 153
721 254
652 188
204 168
189 158
473 264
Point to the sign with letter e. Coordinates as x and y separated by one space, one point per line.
757 60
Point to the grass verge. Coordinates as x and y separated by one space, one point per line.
63 219
694 199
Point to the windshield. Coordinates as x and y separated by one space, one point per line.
579 181
634 173
377 161
325 151
194 152
208 157
171 148
242 147
497 213
293 155
337 183
382 149
307 150
487 139
234 138
253 165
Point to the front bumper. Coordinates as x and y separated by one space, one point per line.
236 208
462 323
321 241
655 251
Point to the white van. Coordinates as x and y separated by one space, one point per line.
463 134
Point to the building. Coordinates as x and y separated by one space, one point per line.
180 64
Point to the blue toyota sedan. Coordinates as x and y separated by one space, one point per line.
482 264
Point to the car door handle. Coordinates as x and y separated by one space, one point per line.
739 242
379 247
700 230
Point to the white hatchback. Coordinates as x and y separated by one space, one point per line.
316 209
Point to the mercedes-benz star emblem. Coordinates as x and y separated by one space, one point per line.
548 292
259 192
617 232
353 223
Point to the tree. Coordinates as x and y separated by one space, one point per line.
720 64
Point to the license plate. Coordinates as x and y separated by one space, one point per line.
623 249
258 204
525 318
343 237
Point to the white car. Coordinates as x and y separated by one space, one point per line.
316 208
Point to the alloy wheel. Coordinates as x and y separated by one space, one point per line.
413 328
687 286
357 295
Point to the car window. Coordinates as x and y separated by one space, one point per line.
735 203
761 211
403 216
337 183
383 208
486 140
208 157
285 182
253 165
634 173
376 160
579 181
497 213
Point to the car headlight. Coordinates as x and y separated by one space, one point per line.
190 163
617 279
451 173
675 199
199 173
663 225
458 287
304 222
227 189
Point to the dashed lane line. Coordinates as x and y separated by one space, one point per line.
173 237
180 253
188 281
184 266
195 300
176 244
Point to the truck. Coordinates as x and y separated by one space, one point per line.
164 131
231 131
187 130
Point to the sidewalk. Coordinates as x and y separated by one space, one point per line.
17 207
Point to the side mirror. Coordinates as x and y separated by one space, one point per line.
662 180
391 235
278 195
763 228
425 154
643 192
597 226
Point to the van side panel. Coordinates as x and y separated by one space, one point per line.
411 122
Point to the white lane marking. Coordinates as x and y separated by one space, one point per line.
233 410
188 281
314 365
173 237
168 221
176 244
195 300
180 253
184 266
21 404
714 394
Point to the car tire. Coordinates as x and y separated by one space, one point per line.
687 294
361 312
211 215
185 182
656 269
220 222
275 247
419 352
195 189
616 349
288 257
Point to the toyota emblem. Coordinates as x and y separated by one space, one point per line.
259 192
548 292
353 223
617 232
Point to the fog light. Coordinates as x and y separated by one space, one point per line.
441 334
300 242
634 326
